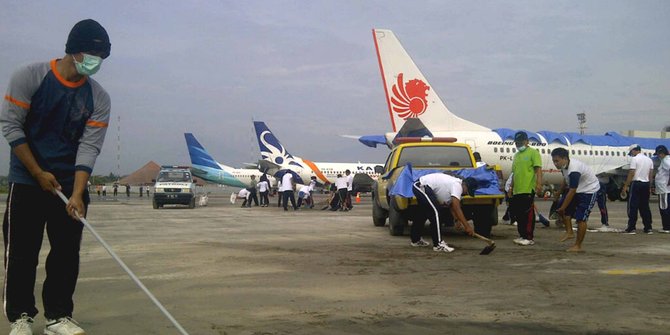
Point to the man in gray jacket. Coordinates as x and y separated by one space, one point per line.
55 117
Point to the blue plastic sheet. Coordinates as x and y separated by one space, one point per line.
486 178
372 140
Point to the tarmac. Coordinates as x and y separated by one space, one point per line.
222 269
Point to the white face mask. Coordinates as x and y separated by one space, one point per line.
89 65
521 148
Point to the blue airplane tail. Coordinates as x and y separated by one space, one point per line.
199 156
271 149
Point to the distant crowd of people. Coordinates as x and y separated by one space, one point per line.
101 190
341 193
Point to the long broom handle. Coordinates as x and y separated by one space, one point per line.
123 265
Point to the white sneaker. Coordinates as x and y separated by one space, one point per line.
517 240
22 326
419 243
525 242
443 247
663 231
63 326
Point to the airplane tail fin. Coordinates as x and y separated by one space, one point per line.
199 156
271 149
408 93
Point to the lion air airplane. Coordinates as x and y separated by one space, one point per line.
276 157
205 167
410 97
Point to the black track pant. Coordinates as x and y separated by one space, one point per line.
264 198
288 195
638 200
523 210
29 210
428 207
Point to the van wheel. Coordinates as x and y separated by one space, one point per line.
379 214
397 222
191 205
156 206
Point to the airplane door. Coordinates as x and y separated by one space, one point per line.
472 144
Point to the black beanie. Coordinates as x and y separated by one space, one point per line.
88 35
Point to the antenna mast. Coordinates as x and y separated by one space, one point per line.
581 117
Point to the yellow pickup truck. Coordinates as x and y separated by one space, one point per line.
434 154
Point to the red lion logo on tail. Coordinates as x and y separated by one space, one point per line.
409 99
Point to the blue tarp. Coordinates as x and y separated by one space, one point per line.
508 134
372 140
486 178
552 137
612 139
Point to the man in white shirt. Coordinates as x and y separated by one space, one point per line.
286 190
264 188
244 194
641 168
478 159
662 187
303 194
434 191
583 187
350 188
341 185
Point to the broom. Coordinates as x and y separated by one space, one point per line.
125 267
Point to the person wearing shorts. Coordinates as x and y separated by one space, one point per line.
582 194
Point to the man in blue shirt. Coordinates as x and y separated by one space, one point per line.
55 118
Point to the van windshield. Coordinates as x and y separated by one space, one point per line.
437 156
174 176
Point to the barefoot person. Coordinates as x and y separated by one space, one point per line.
583 187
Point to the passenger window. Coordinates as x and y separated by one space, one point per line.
579 152
507 150
607 153
601 153
495 149
591 152
513 150
572 151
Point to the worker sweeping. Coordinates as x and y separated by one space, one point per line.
434 191
55 118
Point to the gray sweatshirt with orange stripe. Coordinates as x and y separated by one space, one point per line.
63 122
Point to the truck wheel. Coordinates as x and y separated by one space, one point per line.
379 214
155 204
484 217
191 205
397 222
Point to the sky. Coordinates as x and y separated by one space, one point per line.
309 69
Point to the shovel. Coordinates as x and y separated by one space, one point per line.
489 248
491 243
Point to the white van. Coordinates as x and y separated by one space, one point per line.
174 185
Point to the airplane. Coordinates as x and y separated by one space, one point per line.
415 109
275 156
205 167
